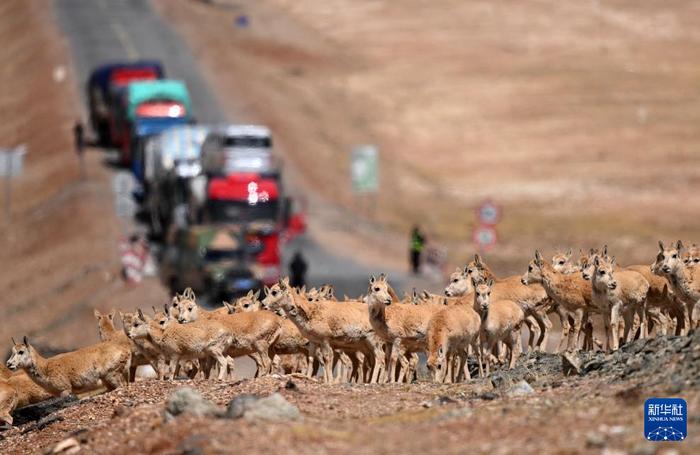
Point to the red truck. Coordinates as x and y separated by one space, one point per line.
256 202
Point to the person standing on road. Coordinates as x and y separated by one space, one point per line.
297 270
79 135
416 248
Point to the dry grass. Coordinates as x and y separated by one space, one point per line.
581 121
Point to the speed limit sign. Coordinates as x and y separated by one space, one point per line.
488 213
485 237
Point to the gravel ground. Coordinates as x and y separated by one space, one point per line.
598 410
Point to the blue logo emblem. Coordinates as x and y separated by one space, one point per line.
665 419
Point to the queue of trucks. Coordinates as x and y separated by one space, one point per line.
213 194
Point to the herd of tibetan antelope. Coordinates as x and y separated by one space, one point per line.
377 337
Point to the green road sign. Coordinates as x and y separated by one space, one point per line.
364 169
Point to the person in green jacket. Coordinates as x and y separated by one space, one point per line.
416 248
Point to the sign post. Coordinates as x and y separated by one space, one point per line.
485 235
364 173
11 165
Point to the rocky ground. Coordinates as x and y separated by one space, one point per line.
597 407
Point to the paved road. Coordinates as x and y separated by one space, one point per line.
100 31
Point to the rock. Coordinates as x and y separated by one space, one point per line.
498 381
570 364
593 365
186 400
67 446
488 396
440 401
239 405
595 440
274 408
519 389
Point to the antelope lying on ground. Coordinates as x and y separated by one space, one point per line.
329 324
683 279
501 320
102 364
16 391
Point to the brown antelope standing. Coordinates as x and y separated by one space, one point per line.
501 320
451 331
532 298
403 327
683 279
615 294
329 324
571 293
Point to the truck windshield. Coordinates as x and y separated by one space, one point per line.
222 255
247 141
240 211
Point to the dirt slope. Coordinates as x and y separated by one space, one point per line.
581 121
598 412
59 254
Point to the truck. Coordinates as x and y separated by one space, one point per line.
107 80
171 159
230 149
148 108
255 201
214 260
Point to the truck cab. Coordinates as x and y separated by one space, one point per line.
239 149
107 80
255 202
148 108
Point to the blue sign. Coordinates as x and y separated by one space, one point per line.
665 419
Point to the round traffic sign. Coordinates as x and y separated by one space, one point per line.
484 237
489 213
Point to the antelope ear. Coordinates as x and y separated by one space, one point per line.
165 308
569 253
266 290
415 293
96 312
477 259
605 251
596 261
382 277
372 279
285 281
25 341
425 295
231 309
661 246
111 314
538 257
256 296
444 301
612 261
679 246
249 294
141 316
490 282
